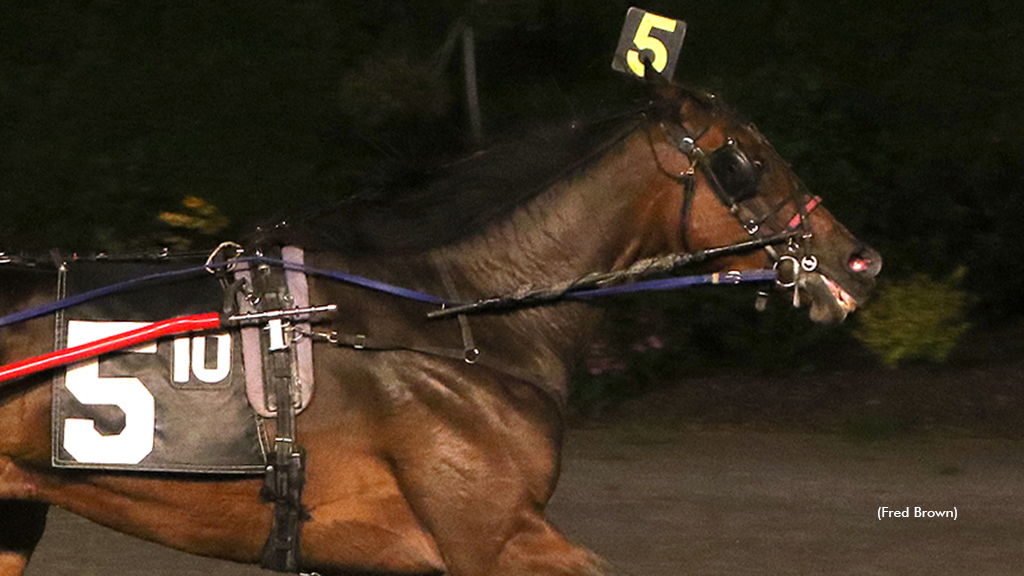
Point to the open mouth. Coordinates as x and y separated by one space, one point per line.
842 297
830 303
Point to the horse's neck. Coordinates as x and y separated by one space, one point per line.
603 218
597 221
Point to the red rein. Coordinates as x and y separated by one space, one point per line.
152 331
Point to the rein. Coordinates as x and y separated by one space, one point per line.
588 286
622 281
592 285
209 267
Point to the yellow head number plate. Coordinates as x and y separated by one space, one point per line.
647 37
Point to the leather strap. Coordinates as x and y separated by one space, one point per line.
285 473
364 342
297 295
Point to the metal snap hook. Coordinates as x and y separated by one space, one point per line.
211 259
809 263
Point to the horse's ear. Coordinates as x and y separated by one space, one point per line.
682 105
692 105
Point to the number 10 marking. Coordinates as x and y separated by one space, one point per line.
219 371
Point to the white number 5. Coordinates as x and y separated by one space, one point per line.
644 41
81 439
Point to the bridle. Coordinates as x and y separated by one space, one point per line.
734 180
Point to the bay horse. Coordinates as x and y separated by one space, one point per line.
424 463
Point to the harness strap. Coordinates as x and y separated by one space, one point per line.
471 352
370 343
285 474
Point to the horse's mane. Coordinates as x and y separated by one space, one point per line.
414 209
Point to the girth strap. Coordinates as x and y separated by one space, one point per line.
279 398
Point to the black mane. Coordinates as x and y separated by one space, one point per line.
415 210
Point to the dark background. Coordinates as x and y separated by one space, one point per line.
905 116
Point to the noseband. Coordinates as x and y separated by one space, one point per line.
734 180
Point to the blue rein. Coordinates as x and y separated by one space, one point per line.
677 282
673 283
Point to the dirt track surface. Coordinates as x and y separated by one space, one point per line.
661 502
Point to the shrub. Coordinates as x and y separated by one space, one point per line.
916 319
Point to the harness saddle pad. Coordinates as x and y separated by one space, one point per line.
172 405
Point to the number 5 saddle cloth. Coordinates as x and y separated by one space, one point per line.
173 405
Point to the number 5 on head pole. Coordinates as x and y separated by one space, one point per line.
651 38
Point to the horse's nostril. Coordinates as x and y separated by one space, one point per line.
864 261
859 264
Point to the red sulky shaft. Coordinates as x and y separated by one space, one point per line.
149 332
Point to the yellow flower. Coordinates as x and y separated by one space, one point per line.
193 202
175 219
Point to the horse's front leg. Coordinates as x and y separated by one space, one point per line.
478 476
485 519
21 527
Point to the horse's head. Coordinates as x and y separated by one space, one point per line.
736 186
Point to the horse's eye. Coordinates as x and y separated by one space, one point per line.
735 173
